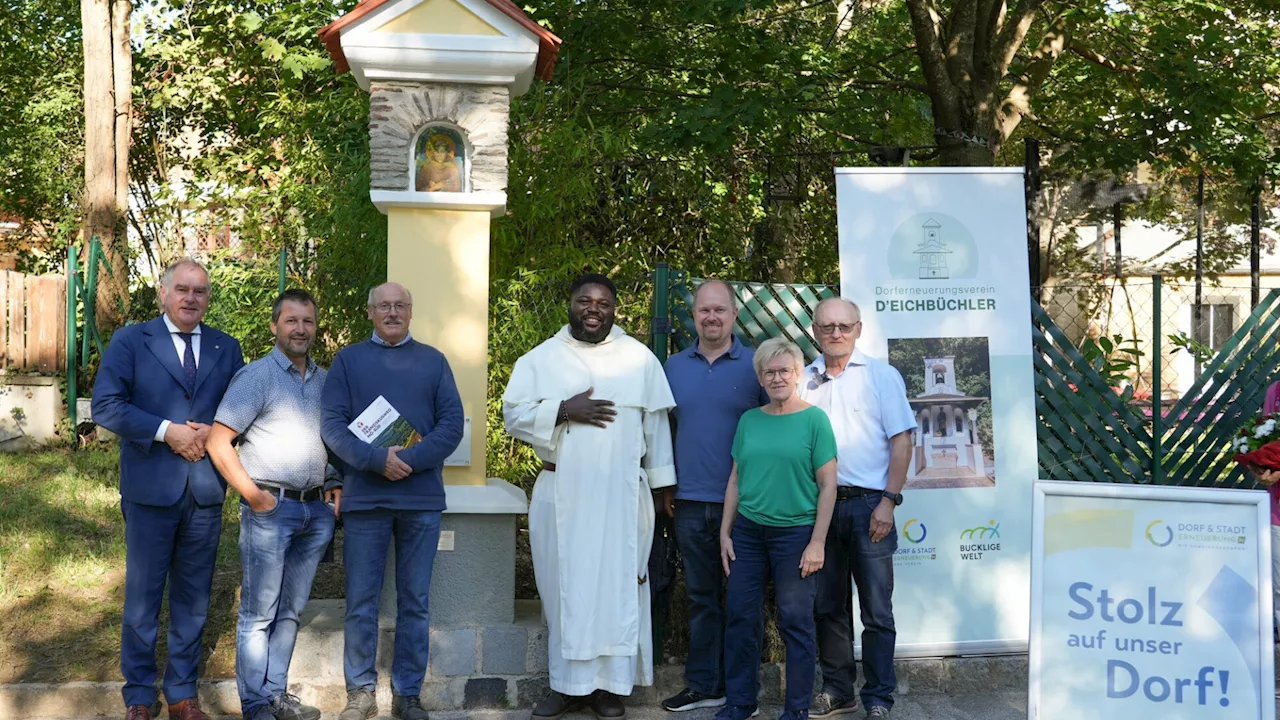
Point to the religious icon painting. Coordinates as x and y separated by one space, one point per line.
439 161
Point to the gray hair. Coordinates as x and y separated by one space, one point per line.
375 287
733 294
857 311
774 348
166 277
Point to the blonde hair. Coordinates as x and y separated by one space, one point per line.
774 348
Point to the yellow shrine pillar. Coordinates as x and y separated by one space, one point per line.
440 76
442 257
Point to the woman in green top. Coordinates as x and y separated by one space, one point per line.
776 511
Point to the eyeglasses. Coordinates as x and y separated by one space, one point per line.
385 307
844 328
784 373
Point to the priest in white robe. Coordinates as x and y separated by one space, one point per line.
593 403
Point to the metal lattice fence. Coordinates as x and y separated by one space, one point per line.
1135 380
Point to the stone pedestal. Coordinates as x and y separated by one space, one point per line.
473 581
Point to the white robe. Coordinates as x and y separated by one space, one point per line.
591 521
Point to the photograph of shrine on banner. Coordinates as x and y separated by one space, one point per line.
936 259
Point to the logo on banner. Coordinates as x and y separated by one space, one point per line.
914 532
1203 535
933 246
1153 532
983 535
906 531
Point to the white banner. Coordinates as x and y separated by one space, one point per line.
1150 602
936 258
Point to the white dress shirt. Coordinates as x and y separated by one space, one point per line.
180 346
867 404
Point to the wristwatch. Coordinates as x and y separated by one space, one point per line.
895 497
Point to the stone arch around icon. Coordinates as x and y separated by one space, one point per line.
400 111
440 160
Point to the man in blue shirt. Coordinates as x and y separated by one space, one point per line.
714 383
273 406
387 493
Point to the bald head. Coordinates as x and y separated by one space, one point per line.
842 307
389 286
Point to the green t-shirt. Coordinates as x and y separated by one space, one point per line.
778 456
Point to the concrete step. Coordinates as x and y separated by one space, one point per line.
995 706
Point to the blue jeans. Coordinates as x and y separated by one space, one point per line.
177 544
850 551
763 552
279 552
367 535
698 536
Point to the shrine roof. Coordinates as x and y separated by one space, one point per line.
548 43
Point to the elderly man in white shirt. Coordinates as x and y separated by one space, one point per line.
867 403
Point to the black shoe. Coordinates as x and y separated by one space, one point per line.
688 699
607 705
556 704
825 705
407 707
289 707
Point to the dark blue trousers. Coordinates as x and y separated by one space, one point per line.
368 535
762 553
851 552
177 544
698 535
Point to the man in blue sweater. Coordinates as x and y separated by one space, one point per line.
390 493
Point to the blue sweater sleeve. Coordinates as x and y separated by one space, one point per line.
337 414
443 439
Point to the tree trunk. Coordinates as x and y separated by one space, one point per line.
107 123
958 153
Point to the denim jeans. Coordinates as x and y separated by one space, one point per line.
279 551
698 536
850 551
366 536
762 552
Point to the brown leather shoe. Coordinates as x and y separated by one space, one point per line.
137 712
188 709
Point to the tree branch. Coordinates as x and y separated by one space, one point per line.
989 13
1013 33
891 84
961 28
1017 103
1079 49
925 23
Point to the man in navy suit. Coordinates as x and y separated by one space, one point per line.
158 388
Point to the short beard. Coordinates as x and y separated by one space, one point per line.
579 331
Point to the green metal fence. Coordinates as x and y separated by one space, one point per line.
1090 427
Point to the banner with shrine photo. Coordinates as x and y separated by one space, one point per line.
936 259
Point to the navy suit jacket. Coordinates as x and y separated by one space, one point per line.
140 383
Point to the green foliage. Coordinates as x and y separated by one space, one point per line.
240 304
1199 351
244 125
1116 360
41 118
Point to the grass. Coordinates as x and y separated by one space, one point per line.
62 571
62 575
